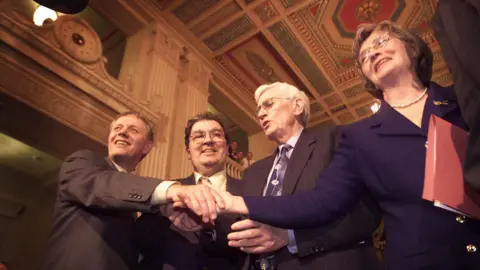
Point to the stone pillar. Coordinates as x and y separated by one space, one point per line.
192 99
151 68
260 145
171 82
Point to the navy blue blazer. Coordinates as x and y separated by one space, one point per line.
385 155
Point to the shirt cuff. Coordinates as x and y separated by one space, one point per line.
292 243
159 195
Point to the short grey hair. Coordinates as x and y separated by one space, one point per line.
288 91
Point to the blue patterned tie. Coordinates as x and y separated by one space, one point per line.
268 261
275 183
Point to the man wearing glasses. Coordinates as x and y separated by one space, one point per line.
299 159
161 243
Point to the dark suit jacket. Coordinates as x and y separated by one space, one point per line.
334 246
385 155
93 218
163 246
457 27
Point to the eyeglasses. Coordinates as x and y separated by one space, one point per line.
379 42
200 136
268 103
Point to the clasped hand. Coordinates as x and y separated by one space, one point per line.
202 200
255 237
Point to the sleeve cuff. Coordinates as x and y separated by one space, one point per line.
292 243
159 195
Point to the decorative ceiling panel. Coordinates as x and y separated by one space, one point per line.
444 79
212 20
315 108
339 108
333 100
301 57
288 3
226 63
328 28
258 63
229 33
364 110
349 14
163 4
362 100
266 11
354 91
346 118
192 9
262 41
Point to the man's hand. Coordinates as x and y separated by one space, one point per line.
183 219
254 237
201 199
233 204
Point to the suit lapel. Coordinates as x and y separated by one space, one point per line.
234 186
111 164
262 169
300 156
188 181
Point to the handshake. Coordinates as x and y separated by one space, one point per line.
196 207
197 204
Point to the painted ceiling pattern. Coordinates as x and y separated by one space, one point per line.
307 43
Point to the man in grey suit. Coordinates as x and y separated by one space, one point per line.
98 197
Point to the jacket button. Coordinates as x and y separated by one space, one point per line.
471 248
130 195
426 144
460 219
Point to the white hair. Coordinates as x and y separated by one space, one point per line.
288 91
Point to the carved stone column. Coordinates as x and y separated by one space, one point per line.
151 68
192 99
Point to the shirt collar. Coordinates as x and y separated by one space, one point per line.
120 169
293 140
219 180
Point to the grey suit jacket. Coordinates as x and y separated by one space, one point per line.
93 217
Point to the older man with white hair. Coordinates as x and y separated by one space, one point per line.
301 156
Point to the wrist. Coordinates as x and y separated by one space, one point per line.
239 206
172 191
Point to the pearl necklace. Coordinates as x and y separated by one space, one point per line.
411 102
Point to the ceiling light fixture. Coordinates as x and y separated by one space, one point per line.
42 14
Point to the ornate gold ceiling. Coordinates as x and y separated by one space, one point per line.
307 43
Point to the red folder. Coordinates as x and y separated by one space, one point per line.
444 184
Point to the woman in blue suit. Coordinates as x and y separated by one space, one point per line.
384 155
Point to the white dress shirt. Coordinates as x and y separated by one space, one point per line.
218 180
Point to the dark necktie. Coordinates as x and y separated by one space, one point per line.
274 188
210 234
275 183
